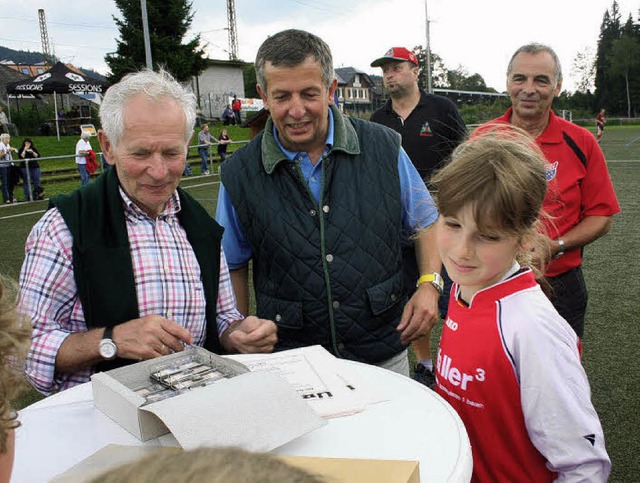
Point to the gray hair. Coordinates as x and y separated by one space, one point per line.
291 48
533 49
85 135
4 136
155 85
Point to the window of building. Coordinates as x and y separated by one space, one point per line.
25 70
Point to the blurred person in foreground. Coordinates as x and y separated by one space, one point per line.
208 465
14 342
580 198
130 267
318 202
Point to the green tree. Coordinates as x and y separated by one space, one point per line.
460 79
444 78
169 21
584 71
438 69
607 88
249 75
625 60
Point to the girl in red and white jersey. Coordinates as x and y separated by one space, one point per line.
507 362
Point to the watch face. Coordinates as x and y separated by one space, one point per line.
108 349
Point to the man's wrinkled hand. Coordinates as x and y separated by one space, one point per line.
250 335
150 336
420 314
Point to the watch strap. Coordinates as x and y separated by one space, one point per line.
434 279
108 333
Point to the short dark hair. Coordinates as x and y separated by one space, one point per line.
290 48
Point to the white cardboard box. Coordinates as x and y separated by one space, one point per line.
257 411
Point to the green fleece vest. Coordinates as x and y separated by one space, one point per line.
327 273
102 264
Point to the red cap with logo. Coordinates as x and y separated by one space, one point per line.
396 53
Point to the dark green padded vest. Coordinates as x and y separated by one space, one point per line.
327 273
103 268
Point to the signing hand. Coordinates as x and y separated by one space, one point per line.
150 336
420 314
250 335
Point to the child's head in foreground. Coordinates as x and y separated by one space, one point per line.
490 199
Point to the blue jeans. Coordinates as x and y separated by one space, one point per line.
204 165
34 178
7 191
85 177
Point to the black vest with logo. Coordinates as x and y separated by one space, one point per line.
327 273
102 264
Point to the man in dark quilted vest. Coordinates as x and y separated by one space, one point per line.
318 203
130 266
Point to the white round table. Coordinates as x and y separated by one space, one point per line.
415 424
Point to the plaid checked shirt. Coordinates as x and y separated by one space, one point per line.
167 279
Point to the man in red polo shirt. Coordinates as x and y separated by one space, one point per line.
580 198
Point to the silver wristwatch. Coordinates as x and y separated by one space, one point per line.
561 248
108 348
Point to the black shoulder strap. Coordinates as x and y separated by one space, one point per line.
574 147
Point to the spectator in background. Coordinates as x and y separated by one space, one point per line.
62 113
6 163
28 151
82 149
223 141
431 127
4 122
204 144
600 122
15 332
236 105
228 117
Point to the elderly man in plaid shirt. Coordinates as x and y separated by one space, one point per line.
130 267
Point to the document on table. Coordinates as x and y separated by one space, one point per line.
322 380
256 411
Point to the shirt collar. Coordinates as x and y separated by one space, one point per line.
345 139
135 213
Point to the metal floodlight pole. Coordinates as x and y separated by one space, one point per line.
426 18
145 32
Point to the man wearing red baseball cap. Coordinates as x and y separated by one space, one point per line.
431 127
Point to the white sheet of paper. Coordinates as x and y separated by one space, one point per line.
320 378
256 411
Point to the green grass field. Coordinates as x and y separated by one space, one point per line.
611 342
